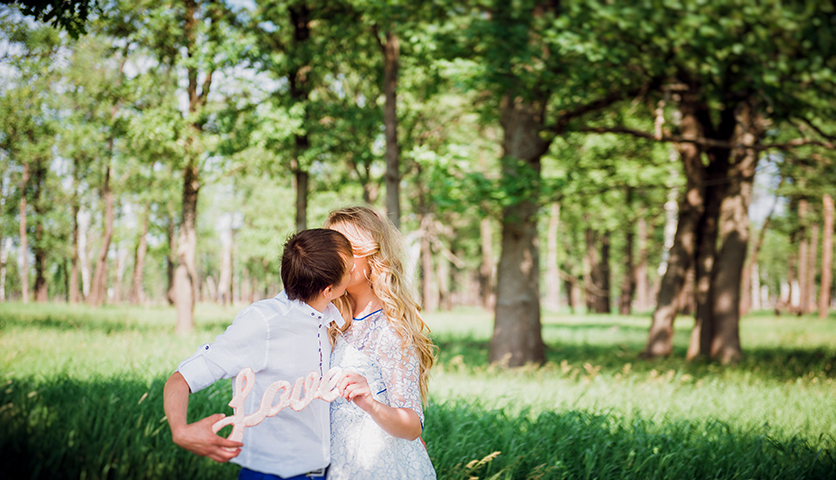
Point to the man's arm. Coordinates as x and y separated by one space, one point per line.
196 437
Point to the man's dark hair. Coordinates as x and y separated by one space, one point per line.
312 260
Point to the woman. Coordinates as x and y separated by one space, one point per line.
376 427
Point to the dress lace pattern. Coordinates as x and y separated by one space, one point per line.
360 449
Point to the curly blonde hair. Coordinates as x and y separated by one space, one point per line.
374 237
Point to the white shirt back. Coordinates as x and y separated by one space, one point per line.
280 339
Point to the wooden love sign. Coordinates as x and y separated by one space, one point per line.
324 388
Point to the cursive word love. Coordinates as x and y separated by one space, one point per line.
324 388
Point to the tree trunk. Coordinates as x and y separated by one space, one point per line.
486 274
552 269
98 289
428 289
681 254
810 301
73 294
24 268
39 249
139 258
224 291
826 257
185 275
4 257
517 337
803 253
171 258
628 284
391 54
642 297
598 284
300 185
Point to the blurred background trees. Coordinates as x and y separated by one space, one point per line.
634 157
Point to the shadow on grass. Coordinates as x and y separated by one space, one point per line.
114 428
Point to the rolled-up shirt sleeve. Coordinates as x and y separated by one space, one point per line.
243 344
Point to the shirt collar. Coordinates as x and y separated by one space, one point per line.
331 313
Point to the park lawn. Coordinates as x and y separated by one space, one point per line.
82 398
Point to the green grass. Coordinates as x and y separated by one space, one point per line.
82 398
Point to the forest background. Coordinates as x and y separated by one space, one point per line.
160 152
570 176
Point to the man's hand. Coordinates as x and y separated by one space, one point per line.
198 438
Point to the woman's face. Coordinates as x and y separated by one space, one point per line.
360 273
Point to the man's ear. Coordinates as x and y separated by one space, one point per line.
328 292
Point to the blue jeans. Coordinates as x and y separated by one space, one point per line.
247 474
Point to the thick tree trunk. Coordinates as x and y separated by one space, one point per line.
734 231
517 332
486 273
98 289
299 85
552 269
139 258
826 257
24 267
803 253
391 54
681 254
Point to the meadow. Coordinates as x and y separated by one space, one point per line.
82 398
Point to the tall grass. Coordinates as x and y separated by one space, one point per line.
82 398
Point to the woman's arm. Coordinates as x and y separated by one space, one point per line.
398 422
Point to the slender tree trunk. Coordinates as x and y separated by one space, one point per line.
98 289
299 84
24 268
224 292
681 254
810 301
628 284
185 274
139 258
74 296
391 54
428 289
517 337
826 257
486 274
803 252
85 249
38 246
4 257
552 270
642 293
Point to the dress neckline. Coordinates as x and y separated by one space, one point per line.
369 315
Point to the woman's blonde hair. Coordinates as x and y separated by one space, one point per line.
374 237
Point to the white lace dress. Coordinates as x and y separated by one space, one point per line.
360 449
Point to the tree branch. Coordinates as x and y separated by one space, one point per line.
708 142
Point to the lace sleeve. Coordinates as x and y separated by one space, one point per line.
400 371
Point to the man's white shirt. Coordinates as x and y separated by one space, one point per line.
280 339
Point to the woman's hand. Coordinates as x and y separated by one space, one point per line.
356 389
